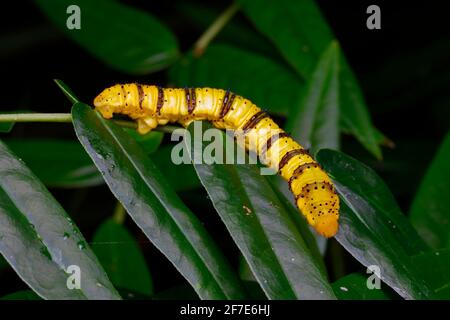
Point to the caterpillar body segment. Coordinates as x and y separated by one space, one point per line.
151 106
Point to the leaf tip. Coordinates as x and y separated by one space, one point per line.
66 90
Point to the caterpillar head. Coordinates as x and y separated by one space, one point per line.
109 101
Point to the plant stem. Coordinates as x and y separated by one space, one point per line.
67 118
214 29
36 117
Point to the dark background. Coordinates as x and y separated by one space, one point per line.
404 71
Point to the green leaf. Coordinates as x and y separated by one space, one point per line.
127 39
120 255
259 224
245 273
434 268
302 226
6 127
253 76
383 140
132 295
176 293
154 206
372 227
354 115
67 91
361 186
21 295
3 263
315 241
180 177
57 163
354 287
430 212
40 241
316 123
149 142
254 290
301 34
296 27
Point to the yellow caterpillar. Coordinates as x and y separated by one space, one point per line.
152 106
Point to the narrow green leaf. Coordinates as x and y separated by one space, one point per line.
430 212
383 140
253 76
245 273
315 241
354 115
39 240
354 287
296 27
302 225
434 268
3 263
316 123
149 142
67 91
119 254
361 183
254 290
180 177
301 34
259 224
21 295
372 227
132 295
127 39
154 206
6 127
57 163
176 293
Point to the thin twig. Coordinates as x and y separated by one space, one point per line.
67 118
36 117
214 29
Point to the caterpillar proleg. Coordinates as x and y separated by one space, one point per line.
151 106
